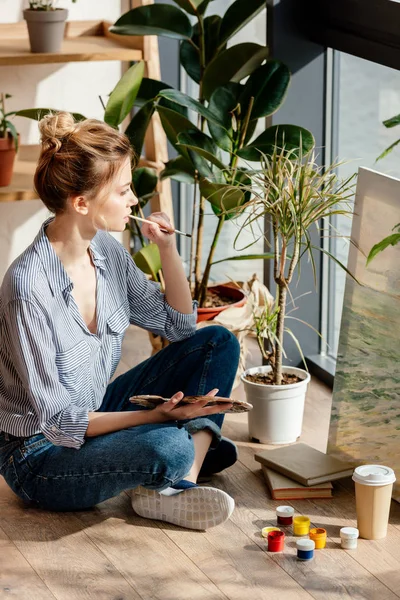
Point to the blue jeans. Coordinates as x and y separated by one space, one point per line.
153 456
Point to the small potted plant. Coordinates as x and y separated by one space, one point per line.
295 194
46 24
9 142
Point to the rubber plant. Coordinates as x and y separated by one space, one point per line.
295 194
237 86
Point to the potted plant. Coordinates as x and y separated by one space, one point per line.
295 194
9 142
237 86
46 24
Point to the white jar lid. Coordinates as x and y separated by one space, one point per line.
374 475
305 544
285 511
349 533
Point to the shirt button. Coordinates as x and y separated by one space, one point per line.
53 428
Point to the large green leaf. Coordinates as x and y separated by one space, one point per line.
245 257
173 124
148 260
123 96
237 16
268 86
38 113
154 19
150 88
184 100
190 55
390 240
289 137
224 198
222 103
144 181
233 64
137 128
178 169
200 144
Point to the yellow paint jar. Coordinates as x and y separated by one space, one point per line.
265 530
318 535
301 525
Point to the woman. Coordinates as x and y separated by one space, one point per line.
70 439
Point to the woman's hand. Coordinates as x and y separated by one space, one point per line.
153 233
168 411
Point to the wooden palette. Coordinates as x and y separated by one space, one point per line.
149 401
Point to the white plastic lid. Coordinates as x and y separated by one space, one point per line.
374 475
305 544
285 511
349 533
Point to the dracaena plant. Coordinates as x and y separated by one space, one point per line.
237 86
43 4
6 126
295 195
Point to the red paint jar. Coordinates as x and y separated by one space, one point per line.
276 541
284 515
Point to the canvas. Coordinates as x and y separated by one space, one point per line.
365 419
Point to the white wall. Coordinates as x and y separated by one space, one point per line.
74 87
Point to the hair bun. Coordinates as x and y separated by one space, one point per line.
54 128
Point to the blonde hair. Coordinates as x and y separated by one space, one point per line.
77 158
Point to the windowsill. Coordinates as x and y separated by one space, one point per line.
322 367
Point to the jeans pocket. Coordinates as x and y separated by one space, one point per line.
33 446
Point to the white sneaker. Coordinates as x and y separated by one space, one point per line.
193 508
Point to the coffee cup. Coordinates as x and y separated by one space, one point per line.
374 484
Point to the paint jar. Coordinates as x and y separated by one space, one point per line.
284 515
276 541
348 537
318 535
265 531
305 549
301 525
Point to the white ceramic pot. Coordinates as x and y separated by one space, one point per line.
277 416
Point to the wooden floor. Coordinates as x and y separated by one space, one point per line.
109 553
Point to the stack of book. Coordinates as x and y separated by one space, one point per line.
300 471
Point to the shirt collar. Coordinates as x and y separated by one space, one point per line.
54 269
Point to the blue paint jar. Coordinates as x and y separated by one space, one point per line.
305 549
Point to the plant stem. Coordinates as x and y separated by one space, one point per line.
193 224
199 247
277 370
3 116
204 281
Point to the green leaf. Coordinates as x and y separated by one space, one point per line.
148 260
178 169
268 85
337 261
173 124
123 96
392 122
290 137
390 240
184 100
149 90
154 19
222 102
224 198
137 128
245 257
237 16
233 64
388 150
202 145
38 113
144 181
190 55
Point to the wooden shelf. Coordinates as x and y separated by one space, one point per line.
83 41
21 187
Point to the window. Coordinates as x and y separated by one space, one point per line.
363 95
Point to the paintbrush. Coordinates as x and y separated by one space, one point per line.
161 229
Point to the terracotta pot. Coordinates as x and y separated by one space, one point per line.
46 29
7 157
206 314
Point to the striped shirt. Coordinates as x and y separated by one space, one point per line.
53 371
